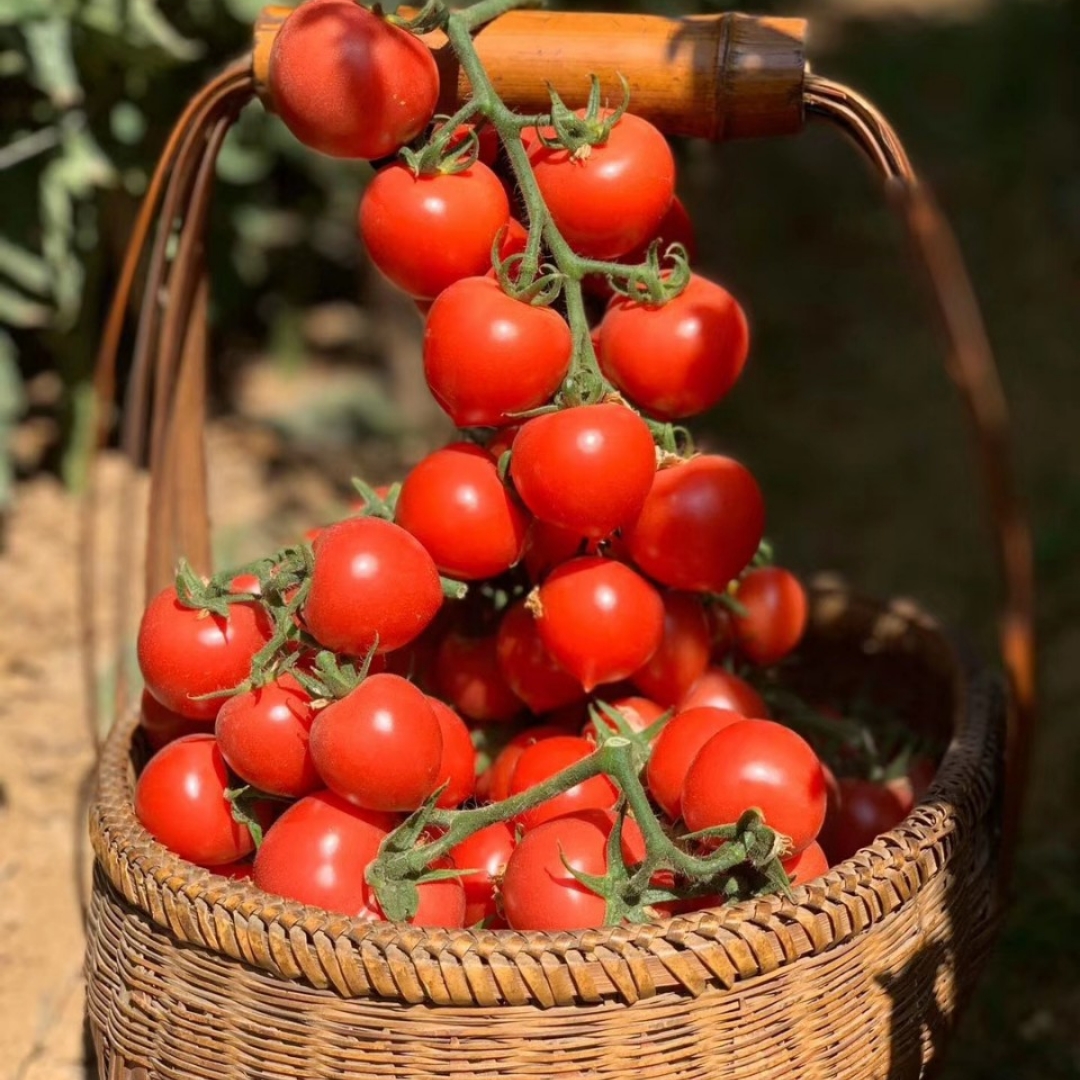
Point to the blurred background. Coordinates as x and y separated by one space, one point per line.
844 413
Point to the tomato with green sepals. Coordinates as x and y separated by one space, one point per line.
484 855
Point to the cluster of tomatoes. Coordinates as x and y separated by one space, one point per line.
551 581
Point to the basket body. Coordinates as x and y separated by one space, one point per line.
860 975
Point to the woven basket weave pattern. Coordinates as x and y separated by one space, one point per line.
858 976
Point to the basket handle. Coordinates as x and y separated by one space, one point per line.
721 76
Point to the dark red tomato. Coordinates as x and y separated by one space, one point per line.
494 785
425 232
867 809
599 619
810 863
263 735
762 764
500 441
721 630
184 652
458 767
639 713
913 785
586 469
180 800
163 726
700 526
538 891
612 197
454 503
372 582
719 689
776 610
236 871
683 654
541 761
467 674
675 228
832 808
546 546
702 336
317 851
380 746
331 54
676 747
485 854
530 669
488 356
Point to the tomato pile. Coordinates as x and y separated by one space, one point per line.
517 688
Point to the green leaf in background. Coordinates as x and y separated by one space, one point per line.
24 268
52 64
12 404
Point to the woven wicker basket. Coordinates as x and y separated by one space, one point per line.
860 975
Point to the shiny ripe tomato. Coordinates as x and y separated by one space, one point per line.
810 863
317 851
331 54
467 674
380 746
675 749
776 612
544 759
701 524
485 854
702 336
425 232
530 669
762 764
180 800
599 619
488 356
163 726
458 766
867 809
546 546
586 469
185 652
683 654
454 503
440 903
612 197
496 781
538 892
720 689
372 581
263 735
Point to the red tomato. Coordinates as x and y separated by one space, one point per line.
544 759
236 871
372 582
426 232
486 136
586 469
317 851
538 892
440 903
775 618
180 800
467 674
702 336
721 630
700 526
500 441
762 764
808 864
488 356
675 749
599 619
330 55
163 726
546 546
380 746
612 197
497 778
867 809
530 669
263 735
458 766
454 503
485 854
184 652
683 654
720 689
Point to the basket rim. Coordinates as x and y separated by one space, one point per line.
718 947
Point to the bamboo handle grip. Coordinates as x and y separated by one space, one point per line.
715 77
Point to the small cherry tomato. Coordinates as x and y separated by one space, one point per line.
867 809
683 653
541 761
775 608
496 781
720 689
457 768
163 726
485 855
467 674
530 669
810 863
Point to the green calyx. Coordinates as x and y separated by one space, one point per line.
578 134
